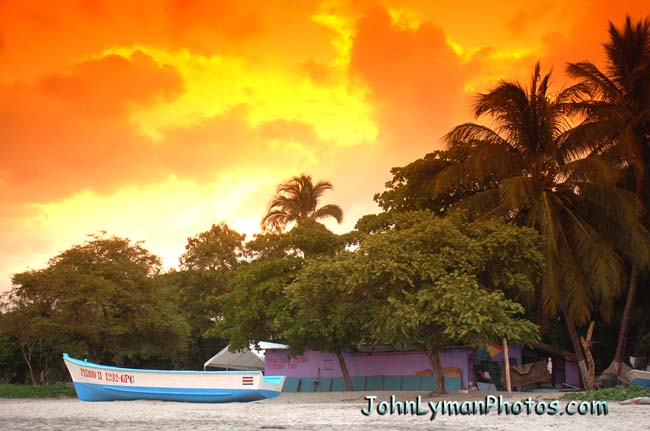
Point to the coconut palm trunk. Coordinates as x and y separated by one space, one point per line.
577 348
625 320
642 180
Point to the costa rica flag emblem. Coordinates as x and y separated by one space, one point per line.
247 381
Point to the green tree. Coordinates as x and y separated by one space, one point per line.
617 103
106 296
206 271
297 201
257 306
253 310
412 186
434 282
326 311
453 309
12 363
25 327
544 181
215 250
260 305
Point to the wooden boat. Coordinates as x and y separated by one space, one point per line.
639 377
94 382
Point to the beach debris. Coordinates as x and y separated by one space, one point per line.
607 381
622 375
637 401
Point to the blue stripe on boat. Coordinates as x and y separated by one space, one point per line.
641 382
274 380
97 392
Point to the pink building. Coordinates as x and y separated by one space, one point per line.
399 370
378 368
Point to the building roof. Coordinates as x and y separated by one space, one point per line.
246 359
569 356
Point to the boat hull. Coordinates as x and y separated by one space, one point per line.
94 382
94 392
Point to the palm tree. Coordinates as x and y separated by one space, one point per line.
618 104
545 178
297 201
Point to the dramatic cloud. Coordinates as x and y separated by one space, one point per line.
415 77
155 119
70 131
587 31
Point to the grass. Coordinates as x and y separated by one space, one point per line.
36 391
618 393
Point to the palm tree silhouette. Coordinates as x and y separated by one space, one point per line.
297 201
544 179
618 104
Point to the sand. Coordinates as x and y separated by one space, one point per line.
303 411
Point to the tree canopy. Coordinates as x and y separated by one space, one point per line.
206 271
408 265
253 310
217 249
102 298
407 283
412 186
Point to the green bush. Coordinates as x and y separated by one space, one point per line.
619 393
36 391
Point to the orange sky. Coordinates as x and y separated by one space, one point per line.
154 119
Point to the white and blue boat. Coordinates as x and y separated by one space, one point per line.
94 382
639 377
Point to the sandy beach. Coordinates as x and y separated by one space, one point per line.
303 411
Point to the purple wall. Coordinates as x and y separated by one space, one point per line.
572 374
313 362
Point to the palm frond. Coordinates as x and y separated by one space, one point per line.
615 213
297 200
628 52
517 192
452 177
593 169
481 203
557 160
544 217
330 210
585 138
274 217
469 133
575 93
601 87
502 101
573 295
321 187
491 155
600 265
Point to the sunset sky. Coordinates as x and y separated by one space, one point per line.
154 119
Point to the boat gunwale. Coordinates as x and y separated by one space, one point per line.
81 363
